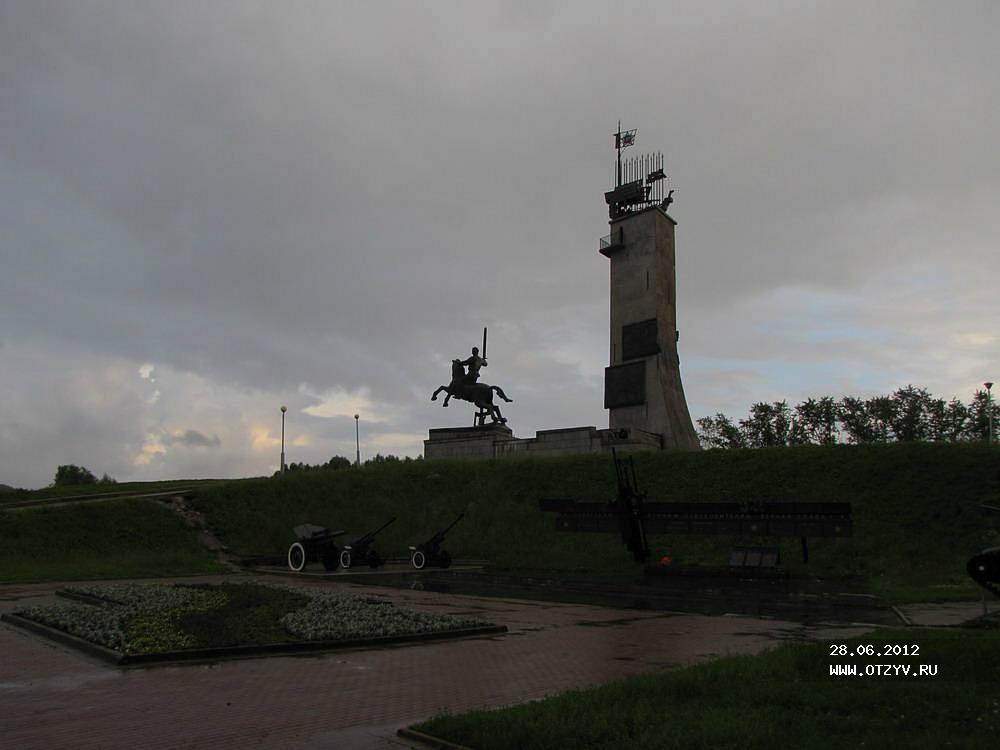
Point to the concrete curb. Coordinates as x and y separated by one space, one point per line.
906 620
240 652
63 638
428 739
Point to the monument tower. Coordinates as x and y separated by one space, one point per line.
642 384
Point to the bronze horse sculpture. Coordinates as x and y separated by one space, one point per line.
479 394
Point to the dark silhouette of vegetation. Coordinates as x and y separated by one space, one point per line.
339 462
910 414
378 459
334 464
72 475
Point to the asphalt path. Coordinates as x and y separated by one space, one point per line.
54 697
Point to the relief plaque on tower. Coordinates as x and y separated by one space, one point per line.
625 385
639 340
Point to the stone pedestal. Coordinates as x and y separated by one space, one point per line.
467 442
497 441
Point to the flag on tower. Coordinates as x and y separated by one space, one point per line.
626 139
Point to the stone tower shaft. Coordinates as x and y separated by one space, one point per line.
642 385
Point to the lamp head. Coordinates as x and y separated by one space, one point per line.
356 416
284 409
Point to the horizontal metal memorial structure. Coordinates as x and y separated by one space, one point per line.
736 519
634 518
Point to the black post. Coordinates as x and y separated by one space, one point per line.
618 145
480 419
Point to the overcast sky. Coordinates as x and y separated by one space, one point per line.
211 209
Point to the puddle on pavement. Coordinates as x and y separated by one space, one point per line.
805 601
613 623
67 681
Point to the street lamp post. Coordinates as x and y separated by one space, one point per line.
357 441
989 411
283 410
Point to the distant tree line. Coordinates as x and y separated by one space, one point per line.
334 464
910 414
339 462
378 458
70 474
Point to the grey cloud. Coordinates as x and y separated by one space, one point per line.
345 195
192 438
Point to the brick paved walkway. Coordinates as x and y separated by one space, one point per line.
51 697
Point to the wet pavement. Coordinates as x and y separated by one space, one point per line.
803 601
54 697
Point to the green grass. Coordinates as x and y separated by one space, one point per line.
114 539
781 698
917 518
19 495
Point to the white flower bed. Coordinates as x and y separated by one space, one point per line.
127 615
140 596
334 617
104 626
136 618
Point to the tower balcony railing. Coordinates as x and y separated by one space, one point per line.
612 241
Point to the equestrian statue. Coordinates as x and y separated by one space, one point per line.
464 386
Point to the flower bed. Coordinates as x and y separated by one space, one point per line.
143 622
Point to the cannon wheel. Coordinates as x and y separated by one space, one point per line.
297 557
345 558
330 559
418 559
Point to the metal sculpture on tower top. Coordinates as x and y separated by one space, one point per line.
644 180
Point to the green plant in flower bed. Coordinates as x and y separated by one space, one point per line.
154 619
251 615
129 618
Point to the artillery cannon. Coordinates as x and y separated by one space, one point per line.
315 543
984 568
360 549
431 552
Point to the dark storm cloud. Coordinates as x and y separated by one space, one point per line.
294 206
271 196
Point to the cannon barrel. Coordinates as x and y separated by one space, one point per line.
450 526
312 532
435 540
371 534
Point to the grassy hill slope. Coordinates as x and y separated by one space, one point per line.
12 495
113 539
916 508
